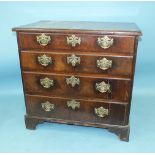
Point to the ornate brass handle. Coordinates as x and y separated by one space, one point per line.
105 42
73 40
47 106
101 112
44 60
73 59
73 104
104 63
73 81
46 82
43 39
103 87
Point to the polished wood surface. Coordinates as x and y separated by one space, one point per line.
85 113
119 76
120 89
121 65
84 26
122 44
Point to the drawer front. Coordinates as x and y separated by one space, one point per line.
77 63
77 86
119 44
76 110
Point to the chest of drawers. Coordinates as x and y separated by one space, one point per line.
78 73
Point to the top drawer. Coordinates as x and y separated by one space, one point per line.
82 42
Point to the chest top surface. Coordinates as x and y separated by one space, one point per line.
105 27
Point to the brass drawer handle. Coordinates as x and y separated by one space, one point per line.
43 39
46 82
101 112
103 87
104 63
73 40
73 59
47 106
44 60
73 104
105 42
73 81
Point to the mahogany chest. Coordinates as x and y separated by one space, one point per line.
78 73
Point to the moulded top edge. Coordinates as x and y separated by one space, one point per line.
82 26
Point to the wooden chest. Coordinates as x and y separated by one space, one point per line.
78 73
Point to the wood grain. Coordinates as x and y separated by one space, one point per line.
82 27
120 89
120 77
121 65
122 44
85 113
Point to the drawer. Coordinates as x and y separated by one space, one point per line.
83 42
62 62
82 86
76 110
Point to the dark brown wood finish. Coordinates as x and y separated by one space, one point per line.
122 44
85 113
83 27
132 78
120 89
120 76
121 64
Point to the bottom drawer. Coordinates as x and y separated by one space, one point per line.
76 110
